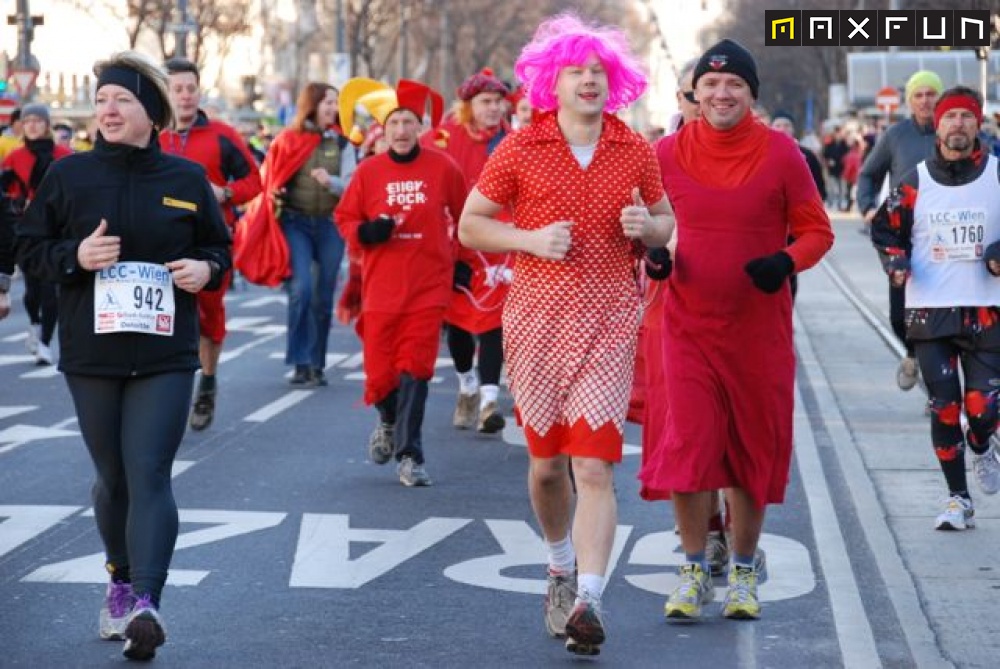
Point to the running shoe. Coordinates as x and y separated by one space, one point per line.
380 443
717 553
118 602
466 411
411 474
144 632
958 514
490 419
986 467
302 376
43 354
585 629
907 373
696 589
741 600
559 598
32 340
203 411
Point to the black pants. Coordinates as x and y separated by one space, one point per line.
41 302
939 361
897 316
133 428
462 346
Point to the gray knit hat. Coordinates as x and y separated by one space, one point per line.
36 109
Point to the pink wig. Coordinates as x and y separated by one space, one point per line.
565 41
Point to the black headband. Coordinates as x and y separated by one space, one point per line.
141 86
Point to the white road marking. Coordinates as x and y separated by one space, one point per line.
44 372
25 434
353 362
258 302
902 591
854 632
26 522
269 411
7 412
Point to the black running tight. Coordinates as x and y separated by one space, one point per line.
897 316
41 302
132 428
939 360
462 346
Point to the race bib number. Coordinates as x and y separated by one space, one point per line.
957 234
134 297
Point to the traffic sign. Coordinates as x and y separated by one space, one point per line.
888 99
23 82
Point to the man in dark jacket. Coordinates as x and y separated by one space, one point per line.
897 152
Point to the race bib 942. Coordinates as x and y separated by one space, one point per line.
134 297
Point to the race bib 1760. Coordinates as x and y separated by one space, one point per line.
134 297
957 234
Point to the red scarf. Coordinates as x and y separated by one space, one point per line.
722 158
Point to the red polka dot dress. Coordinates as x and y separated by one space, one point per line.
570 326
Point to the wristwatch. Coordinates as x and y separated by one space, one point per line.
4 283
227 195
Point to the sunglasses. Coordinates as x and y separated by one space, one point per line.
689 96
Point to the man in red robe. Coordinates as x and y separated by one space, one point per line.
399 212
740 190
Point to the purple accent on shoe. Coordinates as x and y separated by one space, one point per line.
144 602
119 599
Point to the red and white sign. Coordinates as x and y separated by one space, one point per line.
23 81
7 106
888 99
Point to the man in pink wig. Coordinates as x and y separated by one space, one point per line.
578 181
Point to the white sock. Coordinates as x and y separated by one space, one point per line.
468 382
488 394
589 587
562 557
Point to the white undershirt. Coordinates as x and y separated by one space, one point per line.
583 154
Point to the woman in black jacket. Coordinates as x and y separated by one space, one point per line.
131 234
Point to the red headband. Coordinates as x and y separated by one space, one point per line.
957 102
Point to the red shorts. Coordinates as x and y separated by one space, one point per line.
212 311
577 441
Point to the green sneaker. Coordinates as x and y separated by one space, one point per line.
696 589
741 600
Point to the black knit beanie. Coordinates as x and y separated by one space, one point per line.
729 56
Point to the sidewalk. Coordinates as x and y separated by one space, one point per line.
866 415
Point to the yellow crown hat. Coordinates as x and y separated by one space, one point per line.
350 97
380 100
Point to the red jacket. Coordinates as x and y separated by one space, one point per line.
20 161
226 158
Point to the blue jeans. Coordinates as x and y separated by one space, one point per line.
313 241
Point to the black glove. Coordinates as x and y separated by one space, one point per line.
462 278
377 231
658 264
992 253
770 272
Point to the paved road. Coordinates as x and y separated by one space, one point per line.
297 552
